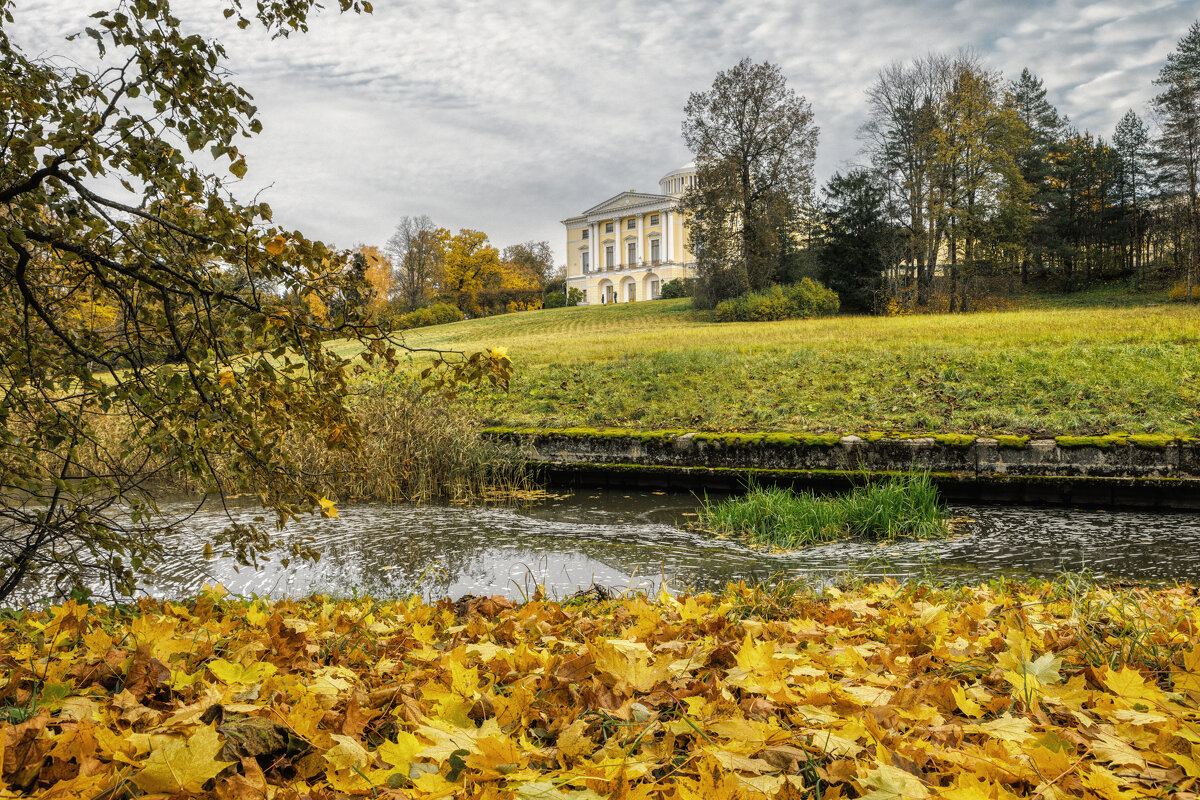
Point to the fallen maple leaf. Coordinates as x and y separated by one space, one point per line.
182 765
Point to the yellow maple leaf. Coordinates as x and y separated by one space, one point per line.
180 765
975 787
1007 728
328 508
1107 785
1129 684
497 755
885 782
226 377
1024 673
230 672
573 744
629 663
401 753
1188 678
713 782
347 753
966 704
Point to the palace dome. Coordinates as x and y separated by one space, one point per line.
677 181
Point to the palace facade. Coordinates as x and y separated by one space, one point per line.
624 249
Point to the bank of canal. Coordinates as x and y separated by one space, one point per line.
1115 470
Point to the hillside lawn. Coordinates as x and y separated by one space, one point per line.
1108 362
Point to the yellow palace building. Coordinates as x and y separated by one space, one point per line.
624 249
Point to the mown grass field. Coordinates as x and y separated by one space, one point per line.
1052 367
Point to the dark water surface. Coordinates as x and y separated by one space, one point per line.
635 540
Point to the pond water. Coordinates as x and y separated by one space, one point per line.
637 541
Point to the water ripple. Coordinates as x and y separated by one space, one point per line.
636 540
639 541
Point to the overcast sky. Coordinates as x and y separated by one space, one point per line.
508 117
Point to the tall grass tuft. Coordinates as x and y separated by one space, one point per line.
907 507
414 448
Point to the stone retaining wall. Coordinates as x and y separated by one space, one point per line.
1137 470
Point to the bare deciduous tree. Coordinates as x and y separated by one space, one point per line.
900 137
755 142
417 250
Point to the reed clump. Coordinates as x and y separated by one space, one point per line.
414 448
903 507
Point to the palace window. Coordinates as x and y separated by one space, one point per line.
654 219
631 224
584 300
585 233
655 290
654 251
631 253
632 292
608 227
585 261
608 256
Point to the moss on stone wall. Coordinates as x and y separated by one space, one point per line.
783 440
955 439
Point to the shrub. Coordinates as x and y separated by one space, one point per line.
676 288
804 299
557 298
812 299
1178 292
436 314
415 319
444 313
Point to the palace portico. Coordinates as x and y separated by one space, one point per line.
627 247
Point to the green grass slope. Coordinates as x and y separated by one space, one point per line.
1065 368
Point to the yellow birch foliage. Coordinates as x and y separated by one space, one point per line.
882 691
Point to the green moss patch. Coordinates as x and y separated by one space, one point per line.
1014 442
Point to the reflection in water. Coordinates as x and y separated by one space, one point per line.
634 541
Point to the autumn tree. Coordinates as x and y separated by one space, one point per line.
534 259
754 143
417 250
900 139
1178 109
368 285
208 361
980 194
472 263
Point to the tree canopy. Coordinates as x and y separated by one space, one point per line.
755 142
152 323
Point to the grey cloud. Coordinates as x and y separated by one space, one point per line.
508 117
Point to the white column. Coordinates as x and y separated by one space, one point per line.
617 244
592 247
666 258
637 251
